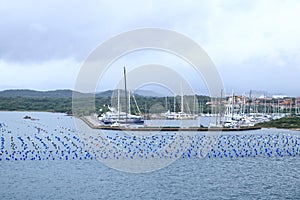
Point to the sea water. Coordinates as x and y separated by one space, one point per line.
52 176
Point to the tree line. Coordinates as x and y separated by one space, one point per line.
144 104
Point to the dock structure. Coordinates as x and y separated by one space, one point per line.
92 124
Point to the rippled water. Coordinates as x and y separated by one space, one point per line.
247 178
186 178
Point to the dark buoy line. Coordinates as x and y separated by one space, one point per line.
61 143
224 146
39 142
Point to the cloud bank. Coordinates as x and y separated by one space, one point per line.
254 44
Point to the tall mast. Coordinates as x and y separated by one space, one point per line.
166 103
265 105
119 105
129 108
296 107
125 87
145 112
220 112
174 103
181 99
232 104
244 104
250 101
194 111
278 106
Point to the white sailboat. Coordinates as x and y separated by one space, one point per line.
179 115
116 117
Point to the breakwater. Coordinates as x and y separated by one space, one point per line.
95 125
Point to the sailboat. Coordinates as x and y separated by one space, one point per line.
115 117
179 115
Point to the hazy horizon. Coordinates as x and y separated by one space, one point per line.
162 93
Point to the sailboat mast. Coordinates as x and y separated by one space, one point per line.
125 87
232 105
265 105
166 103
296 107
129 108
250 101
118 105
174 103
220 112
181 100
244 103
194 104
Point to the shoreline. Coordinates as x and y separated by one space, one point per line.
281 128
95 125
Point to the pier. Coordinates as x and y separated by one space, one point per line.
92 123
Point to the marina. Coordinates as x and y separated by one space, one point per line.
231 113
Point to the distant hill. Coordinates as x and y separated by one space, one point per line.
107 93
37 94
144 93
63 93
149 93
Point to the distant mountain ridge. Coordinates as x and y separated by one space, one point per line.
36 94
25 93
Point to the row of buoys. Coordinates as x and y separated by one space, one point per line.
224 146
44 155
65 144
40 145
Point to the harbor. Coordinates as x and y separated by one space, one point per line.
228 113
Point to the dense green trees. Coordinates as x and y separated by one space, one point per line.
36 104
64 105
286 122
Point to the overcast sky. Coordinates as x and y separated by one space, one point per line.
254 44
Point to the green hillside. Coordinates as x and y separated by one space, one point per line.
286 122
61 101
36 94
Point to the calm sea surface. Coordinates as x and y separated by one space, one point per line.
187 178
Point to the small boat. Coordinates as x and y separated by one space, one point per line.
30 118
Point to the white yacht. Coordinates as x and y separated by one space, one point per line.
116 116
